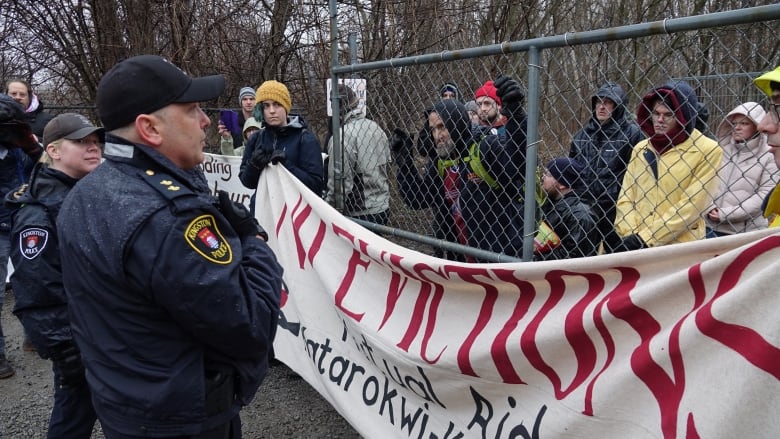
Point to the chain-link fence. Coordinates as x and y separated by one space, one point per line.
468 201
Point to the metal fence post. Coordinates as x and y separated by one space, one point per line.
532 136
335 122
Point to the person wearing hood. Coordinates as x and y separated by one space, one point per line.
747 175
449 91
604 146
251 126
365 159
284 140
73 150
671 176
473 110
22 93
425 145
474 204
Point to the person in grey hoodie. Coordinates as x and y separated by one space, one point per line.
604 147
747 175
365 160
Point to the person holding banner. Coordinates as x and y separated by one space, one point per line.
671 177
173 293
284 140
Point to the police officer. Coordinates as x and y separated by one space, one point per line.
73 149
173 293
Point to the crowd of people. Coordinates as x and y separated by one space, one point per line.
148 349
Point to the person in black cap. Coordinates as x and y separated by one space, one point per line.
19 150
565 213
73 149
173 293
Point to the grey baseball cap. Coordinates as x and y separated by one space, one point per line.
70 126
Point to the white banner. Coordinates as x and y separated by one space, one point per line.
672 342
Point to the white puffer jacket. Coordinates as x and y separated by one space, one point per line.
747 175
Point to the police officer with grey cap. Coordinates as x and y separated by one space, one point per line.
73 149
173 292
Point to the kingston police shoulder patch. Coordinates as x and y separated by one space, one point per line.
32 241
205 238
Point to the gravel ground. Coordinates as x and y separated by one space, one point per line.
285 406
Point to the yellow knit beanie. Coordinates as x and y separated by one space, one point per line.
275 91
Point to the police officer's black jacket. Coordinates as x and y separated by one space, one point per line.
161 292
40 301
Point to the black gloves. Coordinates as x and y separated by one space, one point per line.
278 157
400 142
511 94
260 159
239 217
630 242
67 359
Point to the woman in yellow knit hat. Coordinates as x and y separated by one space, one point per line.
285 140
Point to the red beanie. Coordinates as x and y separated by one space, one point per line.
489 90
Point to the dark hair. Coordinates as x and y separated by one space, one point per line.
774 85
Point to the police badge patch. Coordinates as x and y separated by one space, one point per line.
203 235
32 241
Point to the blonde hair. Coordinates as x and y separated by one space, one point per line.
45 157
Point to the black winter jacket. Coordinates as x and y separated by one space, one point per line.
40 301
303 155
605 150
163 293
493 216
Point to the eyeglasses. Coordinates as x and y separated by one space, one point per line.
665 116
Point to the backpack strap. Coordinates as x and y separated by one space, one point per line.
475 163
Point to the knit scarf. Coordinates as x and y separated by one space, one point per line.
664 142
